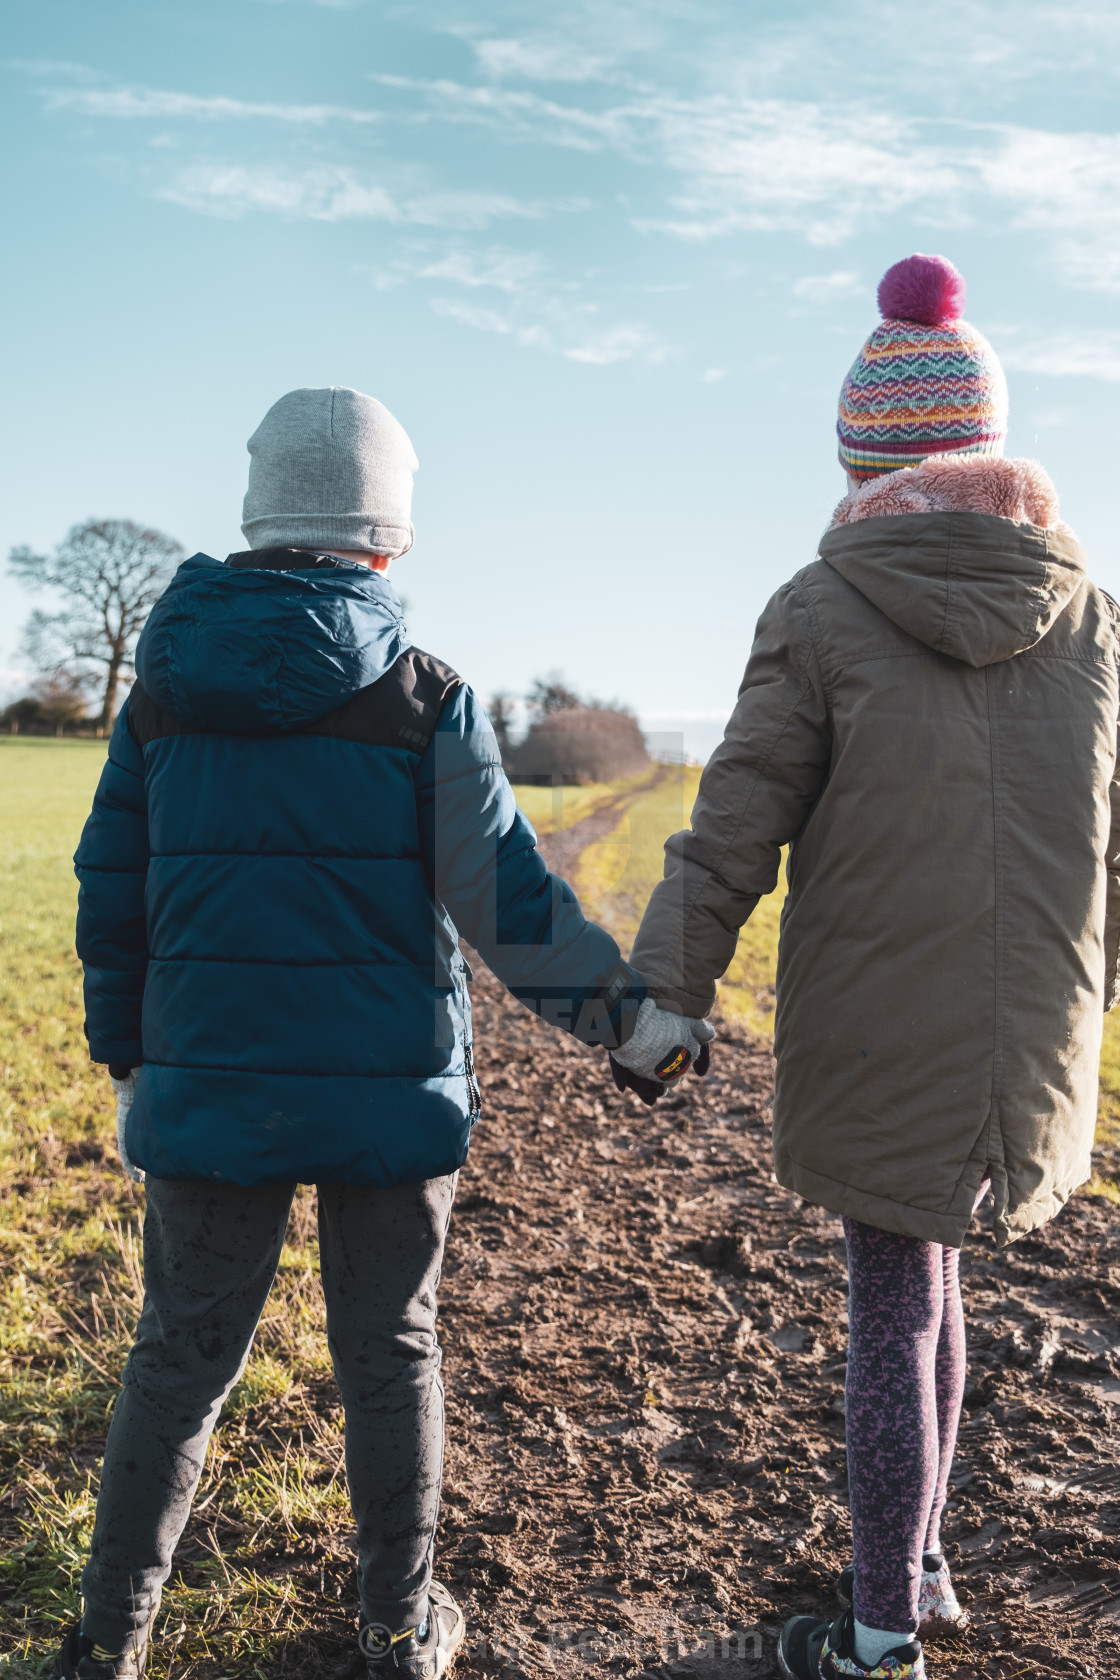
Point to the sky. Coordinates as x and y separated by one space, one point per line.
608 263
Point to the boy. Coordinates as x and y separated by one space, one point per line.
299 815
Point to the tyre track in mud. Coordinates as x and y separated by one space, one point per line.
562 850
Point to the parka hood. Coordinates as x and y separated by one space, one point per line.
242 650
965 553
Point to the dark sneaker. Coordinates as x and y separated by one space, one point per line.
81 1659
811 1649
421 1653
939 1609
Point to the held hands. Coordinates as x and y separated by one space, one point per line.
660 1051
124 1085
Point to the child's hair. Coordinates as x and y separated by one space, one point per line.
925 382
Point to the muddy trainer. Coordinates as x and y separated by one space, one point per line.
929 720
300 814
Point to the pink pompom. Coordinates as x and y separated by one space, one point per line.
921 288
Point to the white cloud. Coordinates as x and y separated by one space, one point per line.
1084 355
507 271
141 102
541 58
778 165
515 272
324 195
516 114
53 67
562 331
727 160
536 308
823 169
716 163
746 164
334 194
801 168
1066 185
619 344
822 288
531 335
979 55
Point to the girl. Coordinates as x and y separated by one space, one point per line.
929 720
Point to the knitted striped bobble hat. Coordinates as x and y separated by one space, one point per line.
925 383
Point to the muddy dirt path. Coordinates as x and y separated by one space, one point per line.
561 851
644 1364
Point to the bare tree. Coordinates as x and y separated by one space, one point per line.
501 711
62 699
112 573
581 744
551 694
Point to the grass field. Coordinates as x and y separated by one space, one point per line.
69 1236
552 809
69 1241
617 875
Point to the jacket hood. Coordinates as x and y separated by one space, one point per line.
964 552
241 650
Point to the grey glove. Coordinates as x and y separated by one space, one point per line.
125 1090
663 1046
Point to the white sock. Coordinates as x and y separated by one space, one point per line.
872 1644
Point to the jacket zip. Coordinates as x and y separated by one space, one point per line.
472 1083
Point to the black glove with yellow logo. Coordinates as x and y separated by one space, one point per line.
661 1049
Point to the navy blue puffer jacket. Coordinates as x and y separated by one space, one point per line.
298 817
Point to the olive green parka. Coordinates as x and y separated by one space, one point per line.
929 720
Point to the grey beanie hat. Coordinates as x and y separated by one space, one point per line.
330 468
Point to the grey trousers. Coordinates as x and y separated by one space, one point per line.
210 1255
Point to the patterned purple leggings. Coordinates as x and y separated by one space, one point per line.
905 1385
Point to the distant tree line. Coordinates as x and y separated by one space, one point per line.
111 572
56 705
570 740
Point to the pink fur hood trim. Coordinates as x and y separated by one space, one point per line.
1016 489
